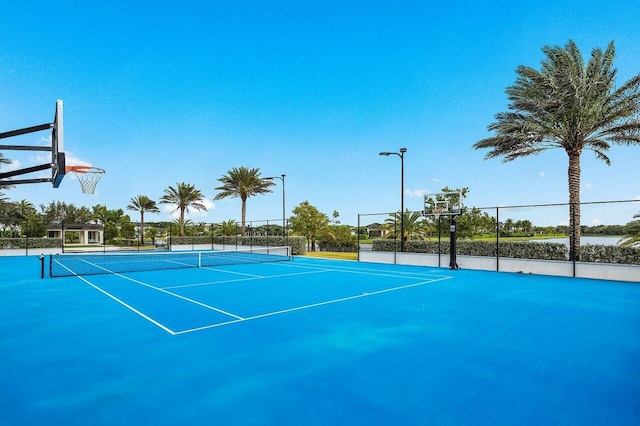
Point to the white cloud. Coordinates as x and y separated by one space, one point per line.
541 173
14 165
595 222
192 213
416 193
435 180
587 185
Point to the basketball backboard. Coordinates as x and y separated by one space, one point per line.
57 147
443 203
57 164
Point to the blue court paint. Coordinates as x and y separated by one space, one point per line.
476 348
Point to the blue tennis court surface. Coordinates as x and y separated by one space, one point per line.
316 342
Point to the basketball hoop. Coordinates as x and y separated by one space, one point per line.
439 208
437 211
87 176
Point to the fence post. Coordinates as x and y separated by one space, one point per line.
498 239
573 240
395 239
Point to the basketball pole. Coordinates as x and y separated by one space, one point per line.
453 264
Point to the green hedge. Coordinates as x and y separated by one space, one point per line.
23 243
519 250
298 244
513 249
609 254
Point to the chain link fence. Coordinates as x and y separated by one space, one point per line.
608 233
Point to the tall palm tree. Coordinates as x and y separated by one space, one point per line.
244 183
570 105
142 204
184 196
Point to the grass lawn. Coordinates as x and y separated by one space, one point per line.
332 255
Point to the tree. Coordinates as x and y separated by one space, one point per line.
229 228
308 221
632 233
30 221
184 196
58 212
415 227
244 183
127 228
3 160
567 105
337 236
142 204
109 219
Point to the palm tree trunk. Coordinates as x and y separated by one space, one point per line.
182 222
574 204
142 227
244 214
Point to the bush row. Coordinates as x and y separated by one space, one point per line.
24 243
609 254
298 244
519 250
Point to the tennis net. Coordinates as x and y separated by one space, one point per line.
61 265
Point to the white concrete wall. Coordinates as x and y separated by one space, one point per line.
602 271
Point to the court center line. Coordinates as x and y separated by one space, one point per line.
204 305
314 305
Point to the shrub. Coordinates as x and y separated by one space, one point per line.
514 249
21 243
609 254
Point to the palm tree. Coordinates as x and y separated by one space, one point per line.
229 228
142 204
184 197
567 105
415 227
632 233
4 160
244 183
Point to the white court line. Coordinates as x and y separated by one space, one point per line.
230 272
374 271
148 318
152 287
204 305
313 305
247 279
126 305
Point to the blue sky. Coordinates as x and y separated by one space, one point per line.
163 92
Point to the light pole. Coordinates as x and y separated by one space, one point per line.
401 155
284 234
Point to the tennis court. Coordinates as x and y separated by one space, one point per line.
313 341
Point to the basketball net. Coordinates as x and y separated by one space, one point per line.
437 211
87 176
